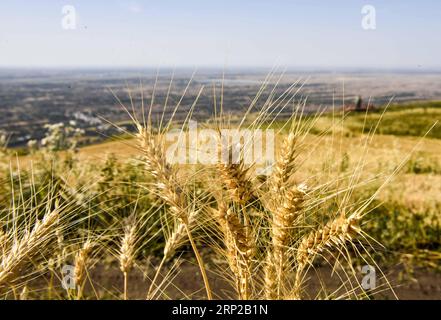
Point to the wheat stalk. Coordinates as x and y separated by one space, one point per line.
21 253
283 219
285 166
335 233
165 177
3 242
127 251
239 248
237 238
80 266
285 204
171 193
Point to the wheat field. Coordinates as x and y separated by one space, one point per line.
120 221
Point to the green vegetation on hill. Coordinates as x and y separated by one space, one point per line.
414 119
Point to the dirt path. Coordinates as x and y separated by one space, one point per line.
426 284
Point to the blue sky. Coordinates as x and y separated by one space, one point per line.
196 33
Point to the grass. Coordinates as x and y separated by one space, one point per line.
399 120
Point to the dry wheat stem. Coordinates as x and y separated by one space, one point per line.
61 247
24 293
200 263
152 284
171 244
52 272
3 243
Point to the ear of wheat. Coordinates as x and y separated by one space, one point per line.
165 177
127 251
285 165
80 269
179 235
235 177
265 246
21 253
240 248
282 224
285 205
334 234
127 247
236 181
172 194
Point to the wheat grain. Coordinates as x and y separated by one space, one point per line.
334 233
234 177
234 174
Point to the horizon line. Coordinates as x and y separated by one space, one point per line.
225 68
